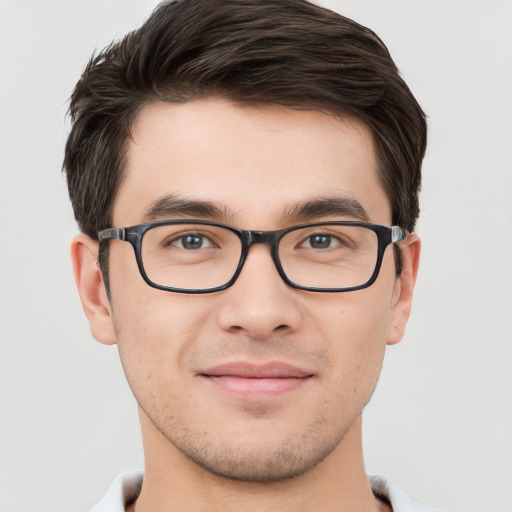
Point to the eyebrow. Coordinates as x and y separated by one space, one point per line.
327 206
170 206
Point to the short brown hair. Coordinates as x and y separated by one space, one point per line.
286 52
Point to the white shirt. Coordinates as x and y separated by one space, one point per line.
126 487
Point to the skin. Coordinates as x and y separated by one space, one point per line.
206 447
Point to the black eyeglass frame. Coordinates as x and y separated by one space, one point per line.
386 235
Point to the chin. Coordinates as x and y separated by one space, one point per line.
264 459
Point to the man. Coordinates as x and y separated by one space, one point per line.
245 174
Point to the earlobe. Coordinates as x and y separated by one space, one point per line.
89 281
404 288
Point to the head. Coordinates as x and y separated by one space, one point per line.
255 107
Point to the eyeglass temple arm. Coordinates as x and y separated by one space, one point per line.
397 234
112 234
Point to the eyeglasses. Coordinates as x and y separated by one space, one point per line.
195 256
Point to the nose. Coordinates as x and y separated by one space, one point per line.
260 304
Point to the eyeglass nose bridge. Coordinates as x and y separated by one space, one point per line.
270 238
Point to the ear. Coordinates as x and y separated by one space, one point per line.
404 288
89 281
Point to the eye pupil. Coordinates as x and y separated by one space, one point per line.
192 241
320 241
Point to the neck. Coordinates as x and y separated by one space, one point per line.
174 483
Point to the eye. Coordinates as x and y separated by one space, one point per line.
191 241
321 241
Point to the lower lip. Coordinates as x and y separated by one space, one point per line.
259 387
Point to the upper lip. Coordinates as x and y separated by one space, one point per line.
271 370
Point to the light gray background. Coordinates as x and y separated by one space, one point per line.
441 420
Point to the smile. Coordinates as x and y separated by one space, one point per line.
270 379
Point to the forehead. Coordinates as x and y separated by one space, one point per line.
253 163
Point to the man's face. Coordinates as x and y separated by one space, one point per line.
260 381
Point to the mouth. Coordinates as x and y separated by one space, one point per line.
270 379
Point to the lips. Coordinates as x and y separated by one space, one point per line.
249 379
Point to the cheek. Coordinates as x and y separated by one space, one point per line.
154 338
155 330
358 322
150 318
356 326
